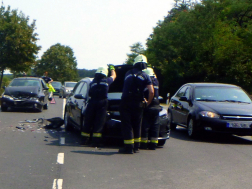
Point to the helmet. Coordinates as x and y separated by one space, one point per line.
150 72
140 59
102 70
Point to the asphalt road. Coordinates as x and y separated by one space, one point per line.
36 158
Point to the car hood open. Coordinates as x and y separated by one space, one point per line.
30 91
229 108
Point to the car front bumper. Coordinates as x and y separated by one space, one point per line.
221 126
21 103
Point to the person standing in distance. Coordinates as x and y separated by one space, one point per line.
133 103
48 81
96 111
150 125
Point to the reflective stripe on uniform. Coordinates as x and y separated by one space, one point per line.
137 139
131 141
144 140
154 141
97 135
85 134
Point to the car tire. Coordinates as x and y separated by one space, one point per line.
172 125
192 132
161 142
68 126
4 108
45 106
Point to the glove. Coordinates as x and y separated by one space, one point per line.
111 67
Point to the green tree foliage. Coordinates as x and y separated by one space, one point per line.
206 42
18 46
136 49
86 73
59 62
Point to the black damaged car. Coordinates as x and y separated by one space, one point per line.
25 92
77 102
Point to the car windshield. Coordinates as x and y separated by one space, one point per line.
56 84
24 82
70 84
225 94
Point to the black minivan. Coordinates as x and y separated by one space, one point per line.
77 102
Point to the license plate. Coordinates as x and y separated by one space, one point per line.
239 124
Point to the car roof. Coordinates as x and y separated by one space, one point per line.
205 84
34 78
87 79
70 82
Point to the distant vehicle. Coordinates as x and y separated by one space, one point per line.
77 102
25 92
56 85
211 107
66 88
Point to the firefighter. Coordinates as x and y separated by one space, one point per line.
150 124
96 111
133 103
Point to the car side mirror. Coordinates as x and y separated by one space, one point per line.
183 98
46 88
79 96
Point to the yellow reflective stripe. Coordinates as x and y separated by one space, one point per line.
131 141
137 139
85 134
97 135
144 141
154 141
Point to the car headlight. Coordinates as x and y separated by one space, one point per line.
34 98
209 114
7 96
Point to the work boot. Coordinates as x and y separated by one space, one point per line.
85 142
143 146
136 150
125 151
152 146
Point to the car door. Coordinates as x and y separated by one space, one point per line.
81 104
45 91
72 103
176 105
185 106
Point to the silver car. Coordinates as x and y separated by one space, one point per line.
66 88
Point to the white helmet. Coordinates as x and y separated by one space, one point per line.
140 59
102 70
150 72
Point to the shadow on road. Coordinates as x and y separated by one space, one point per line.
181 134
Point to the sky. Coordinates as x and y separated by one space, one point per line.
100 32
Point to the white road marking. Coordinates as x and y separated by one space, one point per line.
60 158
62 140
57 184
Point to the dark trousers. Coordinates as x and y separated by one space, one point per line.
131 113
95 118
150 125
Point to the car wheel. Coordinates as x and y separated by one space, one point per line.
4 108
191 129
68 126
45 106
161 142
171 125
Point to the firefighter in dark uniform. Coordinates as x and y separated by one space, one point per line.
96 111
150 124
133 103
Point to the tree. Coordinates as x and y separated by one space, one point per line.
59 62
136 49
18 46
